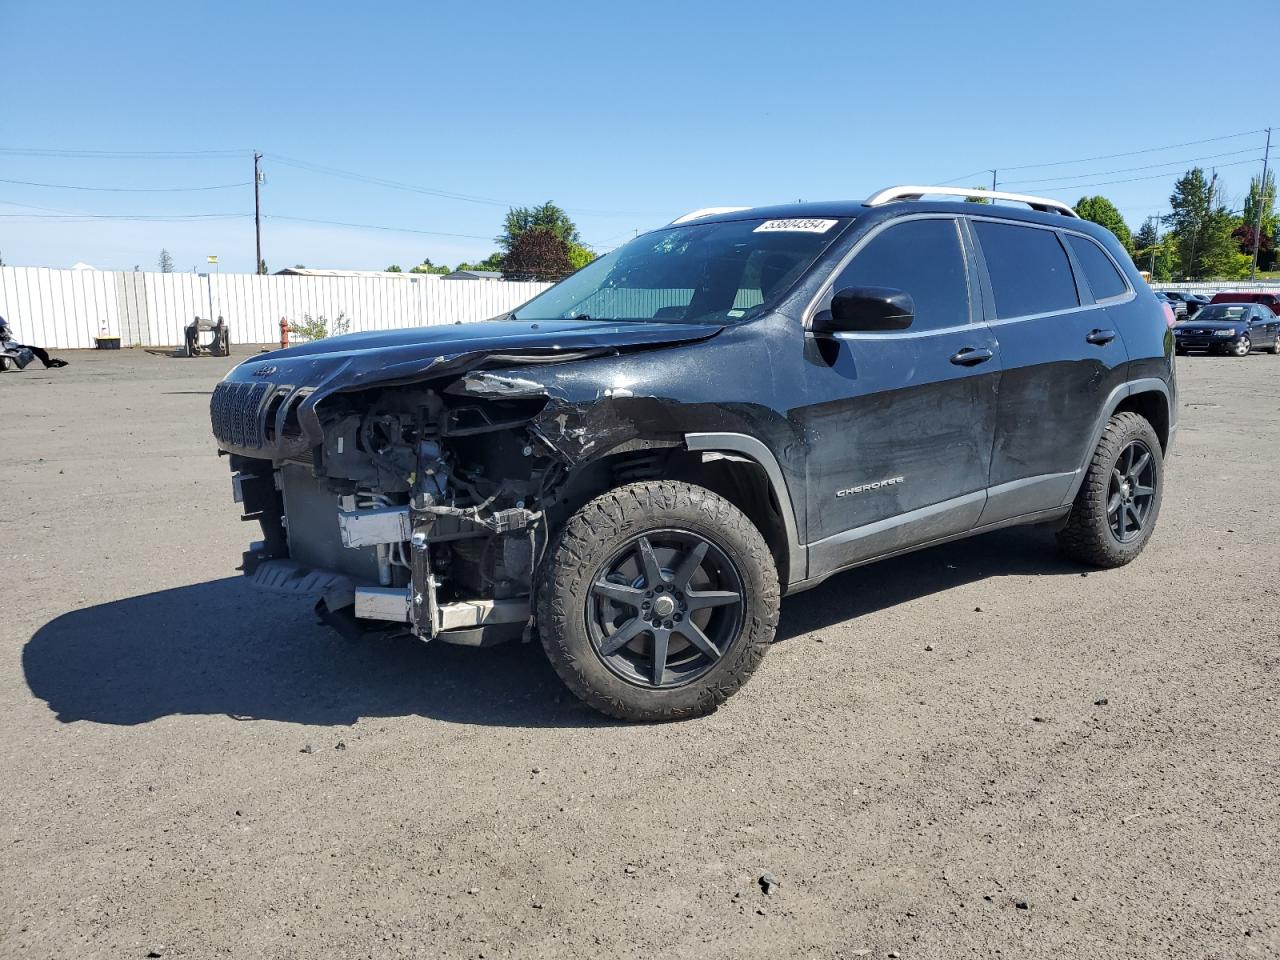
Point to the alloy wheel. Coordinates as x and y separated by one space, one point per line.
1131 492
1242 347
664 608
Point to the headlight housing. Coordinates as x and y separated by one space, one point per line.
1224 333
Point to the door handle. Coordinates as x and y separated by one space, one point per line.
1100 337
971 356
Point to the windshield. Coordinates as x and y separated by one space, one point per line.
1222 311
692 273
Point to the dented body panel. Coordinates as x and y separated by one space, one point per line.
430 467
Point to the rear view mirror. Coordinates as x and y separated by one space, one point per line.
868 309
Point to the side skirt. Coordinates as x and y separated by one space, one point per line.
1041 516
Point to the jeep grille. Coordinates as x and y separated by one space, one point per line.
235 413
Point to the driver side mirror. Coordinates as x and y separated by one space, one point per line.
866 309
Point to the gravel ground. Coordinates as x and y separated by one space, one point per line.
975 750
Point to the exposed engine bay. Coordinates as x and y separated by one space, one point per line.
428 508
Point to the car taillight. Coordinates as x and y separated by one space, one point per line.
1169 316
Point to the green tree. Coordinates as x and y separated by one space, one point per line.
546 217
262 267
977 199
1147 236
165 262
538 253
426 266
492 263
580 256
1189 220
394 268
1264 198
1221 257
1103 212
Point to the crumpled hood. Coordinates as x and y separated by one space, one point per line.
363 359
310 372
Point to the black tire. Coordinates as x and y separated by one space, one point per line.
1090 535
1275 347
600 547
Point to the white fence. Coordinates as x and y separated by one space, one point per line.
66 309
1217 286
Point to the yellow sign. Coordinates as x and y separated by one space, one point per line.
213 259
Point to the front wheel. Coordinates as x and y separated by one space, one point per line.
1242 346
1115 510
658 601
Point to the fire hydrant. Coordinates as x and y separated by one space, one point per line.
284 333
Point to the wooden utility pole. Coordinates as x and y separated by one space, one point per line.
1262 202
257 213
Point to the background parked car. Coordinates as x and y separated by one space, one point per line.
1271 300
1178 307
1236 328
1192 302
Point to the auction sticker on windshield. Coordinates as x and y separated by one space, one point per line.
797 225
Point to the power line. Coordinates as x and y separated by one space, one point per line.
1133 153
90 217
71 186
426 191
374 226
123 154
379 181
1107 183
1149 166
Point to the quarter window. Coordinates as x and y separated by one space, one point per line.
923 258
1104 280
1029 270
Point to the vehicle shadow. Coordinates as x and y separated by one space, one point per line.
1018 551
222 647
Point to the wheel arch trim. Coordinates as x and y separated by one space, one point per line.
756 451
1117 396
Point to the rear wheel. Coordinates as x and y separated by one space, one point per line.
1115 511
658 601
1242 346
1275 346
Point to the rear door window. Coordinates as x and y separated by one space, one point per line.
1104 279
1029 269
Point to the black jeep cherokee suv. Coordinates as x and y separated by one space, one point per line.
638 463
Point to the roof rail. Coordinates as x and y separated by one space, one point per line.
1043 204
706 212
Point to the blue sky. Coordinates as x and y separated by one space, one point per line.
626 114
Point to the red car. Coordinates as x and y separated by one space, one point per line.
1271 300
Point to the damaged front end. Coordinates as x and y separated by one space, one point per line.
420 504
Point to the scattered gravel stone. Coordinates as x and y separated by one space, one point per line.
975 610
306 749
473 891
339 745
928 646
1100 702
629 869
768 882
1022 904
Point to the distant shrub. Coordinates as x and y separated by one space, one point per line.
317 328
